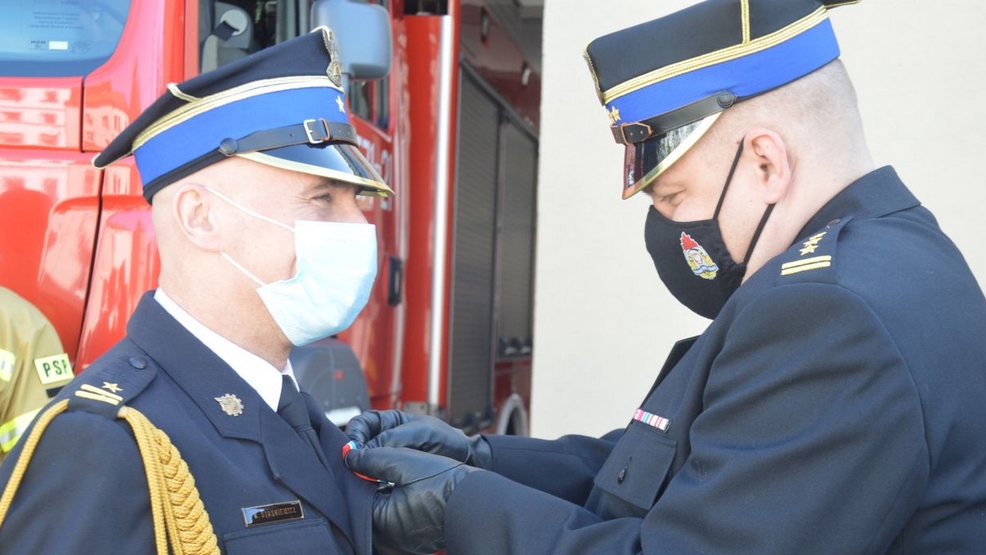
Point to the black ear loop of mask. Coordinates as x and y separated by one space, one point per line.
722 198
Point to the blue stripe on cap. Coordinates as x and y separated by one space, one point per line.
191 139
745 76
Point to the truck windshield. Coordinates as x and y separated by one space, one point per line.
58 38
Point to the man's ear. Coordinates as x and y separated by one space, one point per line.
195 214
773 162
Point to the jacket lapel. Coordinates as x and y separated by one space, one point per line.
294 464
678 352
357 492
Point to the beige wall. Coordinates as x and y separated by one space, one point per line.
603 320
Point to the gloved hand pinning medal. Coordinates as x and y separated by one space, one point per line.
409 509
393 428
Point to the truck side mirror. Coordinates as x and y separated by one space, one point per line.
363 34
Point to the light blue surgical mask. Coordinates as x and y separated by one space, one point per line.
337 263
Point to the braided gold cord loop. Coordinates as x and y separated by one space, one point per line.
180 518
148 453
194 529
186 520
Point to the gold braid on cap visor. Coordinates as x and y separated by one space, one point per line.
649 159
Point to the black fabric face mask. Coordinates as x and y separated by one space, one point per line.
692 260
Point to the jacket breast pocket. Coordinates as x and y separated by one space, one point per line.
303 537
637 468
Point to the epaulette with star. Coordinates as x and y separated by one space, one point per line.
813 258
105 390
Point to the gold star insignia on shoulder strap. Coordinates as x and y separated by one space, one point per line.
112 387
809 247
812 243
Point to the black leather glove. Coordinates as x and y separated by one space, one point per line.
393 428
409 516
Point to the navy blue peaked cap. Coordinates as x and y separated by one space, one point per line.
282 106
665 82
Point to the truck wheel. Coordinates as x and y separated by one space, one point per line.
512 419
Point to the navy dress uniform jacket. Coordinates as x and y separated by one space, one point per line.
85 490
835 406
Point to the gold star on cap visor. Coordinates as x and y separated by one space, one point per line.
643 162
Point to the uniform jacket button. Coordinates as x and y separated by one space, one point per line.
138 363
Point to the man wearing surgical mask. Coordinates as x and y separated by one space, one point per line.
834 404
253 176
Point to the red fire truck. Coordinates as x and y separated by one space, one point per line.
452 127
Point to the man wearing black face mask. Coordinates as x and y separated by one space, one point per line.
833 405
718 280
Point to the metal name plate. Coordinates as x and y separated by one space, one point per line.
276 512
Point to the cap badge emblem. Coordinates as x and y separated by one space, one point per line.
697 258
230 404
335 65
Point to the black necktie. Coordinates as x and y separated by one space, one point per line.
291 407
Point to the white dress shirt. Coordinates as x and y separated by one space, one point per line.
260 374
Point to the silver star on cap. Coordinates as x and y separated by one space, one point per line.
230 404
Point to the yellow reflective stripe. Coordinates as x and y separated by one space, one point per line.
11 430
7 363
